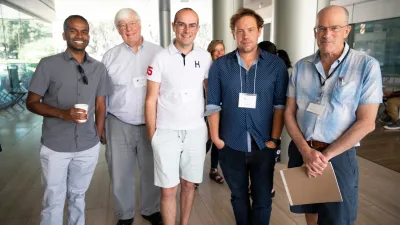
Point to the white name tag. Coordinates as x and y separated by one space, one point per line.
247 100
315 108
139 81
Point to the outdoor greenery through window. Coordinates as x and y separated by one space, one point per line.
24 40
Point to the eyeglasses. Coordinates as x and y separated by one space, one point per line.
82 72
123 26
332 28
182 26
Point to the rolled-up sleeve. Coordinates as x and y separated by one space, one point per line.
214 87
280 88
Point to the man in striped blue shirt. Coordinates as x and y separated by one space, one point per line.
333 99
248 85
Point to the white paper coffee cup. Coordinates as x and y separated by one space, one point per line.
84 107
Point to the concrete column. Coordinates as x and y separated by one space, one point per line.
165 22
292 30
222 12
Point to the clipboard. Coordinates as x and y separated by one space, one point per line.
301 189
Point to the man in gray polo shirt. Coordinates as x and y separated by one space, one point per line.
127 142
70 145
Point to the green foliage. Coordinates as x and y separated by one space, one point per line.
19 33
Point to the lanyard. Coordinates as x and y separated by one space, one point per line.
319 75
241 84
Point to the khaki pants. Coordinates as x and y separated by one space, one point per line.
392 108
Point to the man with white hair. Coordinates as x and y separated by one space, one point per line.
126 132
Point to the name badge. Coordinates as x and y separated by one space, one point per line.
139 81
315 108
247 100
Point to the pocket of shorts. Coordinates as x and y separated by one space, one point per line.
154 136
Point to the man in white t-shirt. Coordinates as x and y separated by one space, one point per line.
174 111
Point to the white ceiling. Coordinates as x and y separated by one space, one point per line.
41 9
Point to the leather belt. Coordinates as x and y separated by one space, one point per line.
317 144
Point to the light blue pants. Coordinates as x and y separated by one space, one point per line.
66 174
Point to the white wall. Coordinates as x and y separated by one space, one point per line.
362 10
266 13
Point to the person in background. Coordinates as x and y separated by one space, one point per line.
127 141
391 117
271 48
268 46
285 57
70 136
217 49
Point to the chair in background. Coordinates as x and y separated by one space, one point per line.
16 92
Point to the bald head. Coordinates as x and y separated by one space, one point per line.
333 11
184 10
331 30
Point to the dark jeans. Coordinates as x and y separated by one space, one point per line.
346 171
214 153
237 167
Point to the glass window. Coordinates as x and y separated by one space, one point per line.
380 39
24 40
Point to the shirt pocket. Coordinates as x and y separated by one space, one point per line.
344 93
117 75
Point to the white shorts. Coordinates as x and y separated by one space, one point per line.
178 153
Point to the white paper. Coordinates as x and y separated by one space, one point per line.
247 100
139 81
315 108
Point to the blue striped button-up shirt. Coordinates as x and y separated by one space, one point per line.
267 78
355 80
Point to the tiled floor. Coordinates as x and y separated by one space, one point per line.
382 147
21 193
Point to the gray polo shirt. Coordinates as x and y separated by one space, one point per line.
58 81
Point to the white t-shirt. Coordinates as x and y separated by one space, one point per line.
180 103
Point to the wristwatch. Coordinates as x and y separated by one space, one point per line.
276 141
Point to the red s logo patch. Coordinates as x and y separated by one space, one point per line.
149 70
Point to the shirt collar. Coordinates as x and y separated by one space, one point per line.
317 58
67 56
173 50
261 55
140 47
